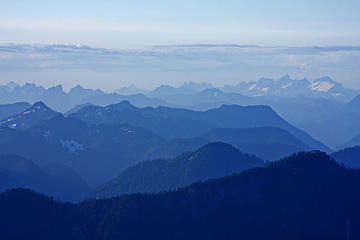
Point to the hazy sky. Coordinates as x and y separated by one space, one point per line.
139 25
114 23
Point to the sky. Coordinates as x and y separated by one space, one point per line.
139 24
118 24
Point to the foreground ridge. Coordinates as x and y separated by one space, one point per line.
304 196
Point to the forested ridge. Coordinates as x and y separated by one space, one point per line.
304 196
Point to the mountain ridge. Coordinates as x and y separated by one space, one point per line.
213 160
189 123
304 196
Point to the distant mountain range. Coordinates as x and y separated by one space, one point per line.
63 101
165 95
304 196
287 87
309 105
323 87
338 129
352 142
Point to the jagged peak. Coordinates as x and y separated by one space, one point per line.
57 88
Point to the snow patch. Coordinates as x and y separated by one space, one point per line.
127 131
287 85
46 133
71 145
321 86
252 87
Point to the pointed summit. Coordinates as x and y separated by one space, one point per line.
285 79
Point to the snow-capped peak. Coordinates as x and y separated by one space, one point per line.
322 86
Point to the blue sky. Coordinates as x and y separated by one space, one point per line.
120 24
139 25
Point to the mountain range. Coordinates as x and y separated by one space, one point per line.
308 105
166 95
323 87
62 101
285 86
100 142
181 123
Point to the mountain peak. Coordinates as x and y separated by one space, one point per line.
215 150
12 85
306 161
78 87
123 105
40 105
286 77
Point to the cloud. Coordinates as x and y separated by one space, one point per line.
217 62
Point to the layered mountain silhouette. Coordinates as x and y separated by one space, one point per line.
353 105
324 87
56 180
181 123
268 143
352 142
350 157
304 196
347 127
345 117
100 142
96 152
62 101
309 105
213 160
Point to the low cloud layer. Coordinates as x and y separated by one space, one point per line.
173 64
